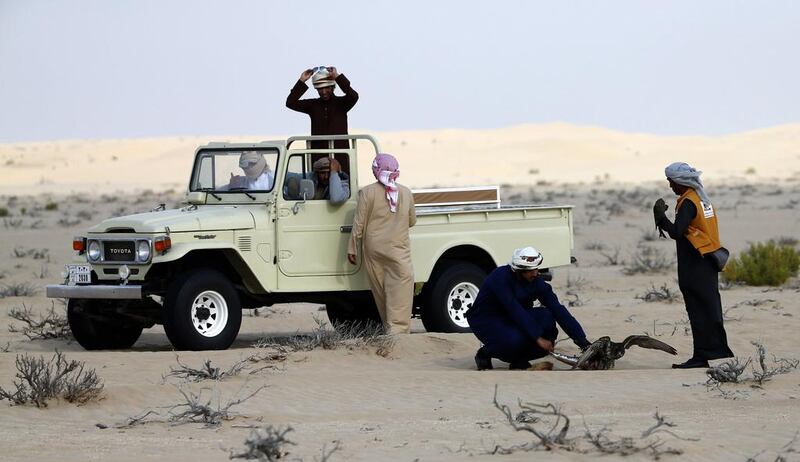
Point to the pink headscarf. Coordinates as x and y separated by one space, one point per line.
386 170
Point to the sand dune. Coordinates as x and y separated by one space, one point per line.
524 154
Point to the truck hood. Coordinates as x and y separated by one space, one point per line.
218 217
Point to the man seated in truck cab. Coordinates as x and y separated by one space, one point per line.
506 322
257 174
330 182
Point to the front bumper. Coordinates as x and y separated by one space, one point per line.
131 292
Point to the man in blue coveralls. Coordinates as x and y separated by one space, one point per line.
505 321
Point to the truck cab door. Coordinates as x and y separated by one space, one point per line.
312 234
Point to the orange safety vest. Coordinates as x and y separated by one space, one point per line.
703 231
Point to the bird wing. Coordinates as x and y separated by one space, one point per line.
645 341
565 358
588 355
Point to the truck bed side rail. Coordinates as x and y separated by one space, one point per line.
439 197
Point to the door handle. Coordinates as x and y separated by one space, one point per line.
345 229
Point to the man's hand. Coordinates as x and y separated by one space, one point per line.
335 166
334 73
306 75
237 181
659 210
545 344
351 258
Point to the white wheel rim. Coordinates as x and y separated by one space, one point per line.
459 301
209 313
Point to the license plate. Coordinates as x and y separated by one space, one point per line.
79 274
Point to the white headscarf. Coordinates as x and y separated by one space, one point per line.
685 175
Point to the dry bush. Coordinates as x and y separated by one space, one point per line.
351 336
209 411
612 256
205 372
40 381
594 245
779 365
660 294
36 254
51 325
732 370
19 289
549 428
265 444
729 371
648 260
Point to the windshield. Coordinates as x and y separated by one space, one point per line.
235 170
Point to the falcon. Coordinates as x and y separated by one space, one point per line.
603 352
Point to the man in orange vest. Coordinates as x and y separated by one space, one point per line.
696 236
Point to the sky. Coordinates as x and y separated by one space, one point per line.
77 69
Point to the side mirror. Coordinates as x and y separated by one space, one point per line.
306 188
196 197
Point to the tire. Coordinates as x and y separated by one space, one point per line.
202 311
93 331
350 310
451 294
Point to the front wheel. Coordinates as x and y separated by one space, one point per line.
94 327
202 311
451 295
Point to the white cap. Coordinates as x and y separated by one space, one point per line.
526 258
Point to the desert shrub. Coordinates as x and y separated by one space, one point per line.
41 380
763 264
19 289
51 206
265 444
51 325
350 336
648 260
3 212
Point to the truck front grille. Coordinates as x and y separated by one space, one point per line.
119 251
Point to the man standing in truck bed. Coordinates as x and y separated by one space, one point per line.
328 113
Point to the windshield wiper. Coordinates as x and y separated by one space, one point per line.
242 189
210 191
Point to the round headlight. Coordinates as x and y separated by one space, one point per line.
124 272
94 250
143 251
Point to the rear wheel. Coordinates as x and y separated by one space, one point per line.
451 295
202 311
95 330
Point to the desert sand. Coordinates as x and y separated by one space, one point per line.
424 400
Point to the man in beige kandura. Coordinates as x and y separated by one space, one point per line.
384 214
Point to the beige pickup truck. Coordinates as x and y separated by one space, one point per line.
238 245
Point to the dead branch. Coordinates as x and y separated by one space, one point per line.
206 372
198 410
